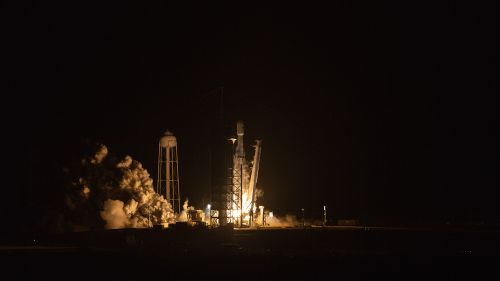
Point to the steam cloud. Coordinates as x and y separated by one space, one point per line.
183 216
287 221
111 193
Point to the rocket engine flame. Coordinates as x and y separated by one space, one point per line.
244 180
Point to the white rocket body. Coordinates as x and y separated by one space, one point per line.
240 131
244 177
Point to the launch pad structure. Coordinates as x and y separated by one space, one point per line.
234 199
233 191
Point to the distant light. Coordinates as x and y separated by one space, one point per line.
261 207
270 214
324 208
209 206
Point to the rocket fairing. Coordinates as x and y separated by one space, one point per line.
240 131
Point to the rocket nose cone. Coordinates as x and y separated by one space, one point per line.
240 128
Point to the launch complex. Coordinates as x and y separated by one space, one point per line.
234 188
230 238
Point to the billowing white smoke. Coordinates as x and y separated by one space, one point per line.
99 155
120 193
183 216
287 221
258 193
114 214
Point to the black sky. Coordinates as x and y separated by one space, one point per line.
381 111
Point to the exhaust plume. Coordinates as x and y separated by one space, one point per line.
183 216
287 221
105 192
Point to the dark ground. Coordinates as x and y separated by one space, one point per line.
346 253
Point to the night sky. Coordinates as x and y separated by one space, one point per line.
383 112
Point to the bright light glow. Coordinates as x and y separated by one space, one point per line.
209 206
271 214
243 209
324 208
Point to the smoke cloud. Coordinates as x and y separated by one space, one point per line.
114 214
183 216
287 221
110 193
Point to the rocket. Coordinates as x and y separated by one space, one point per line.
240 131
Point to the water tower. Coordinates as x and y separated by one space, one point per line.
168 171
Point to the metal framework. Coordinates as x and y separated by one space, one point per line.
254 178
168 171
235 196
237 188
225 198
